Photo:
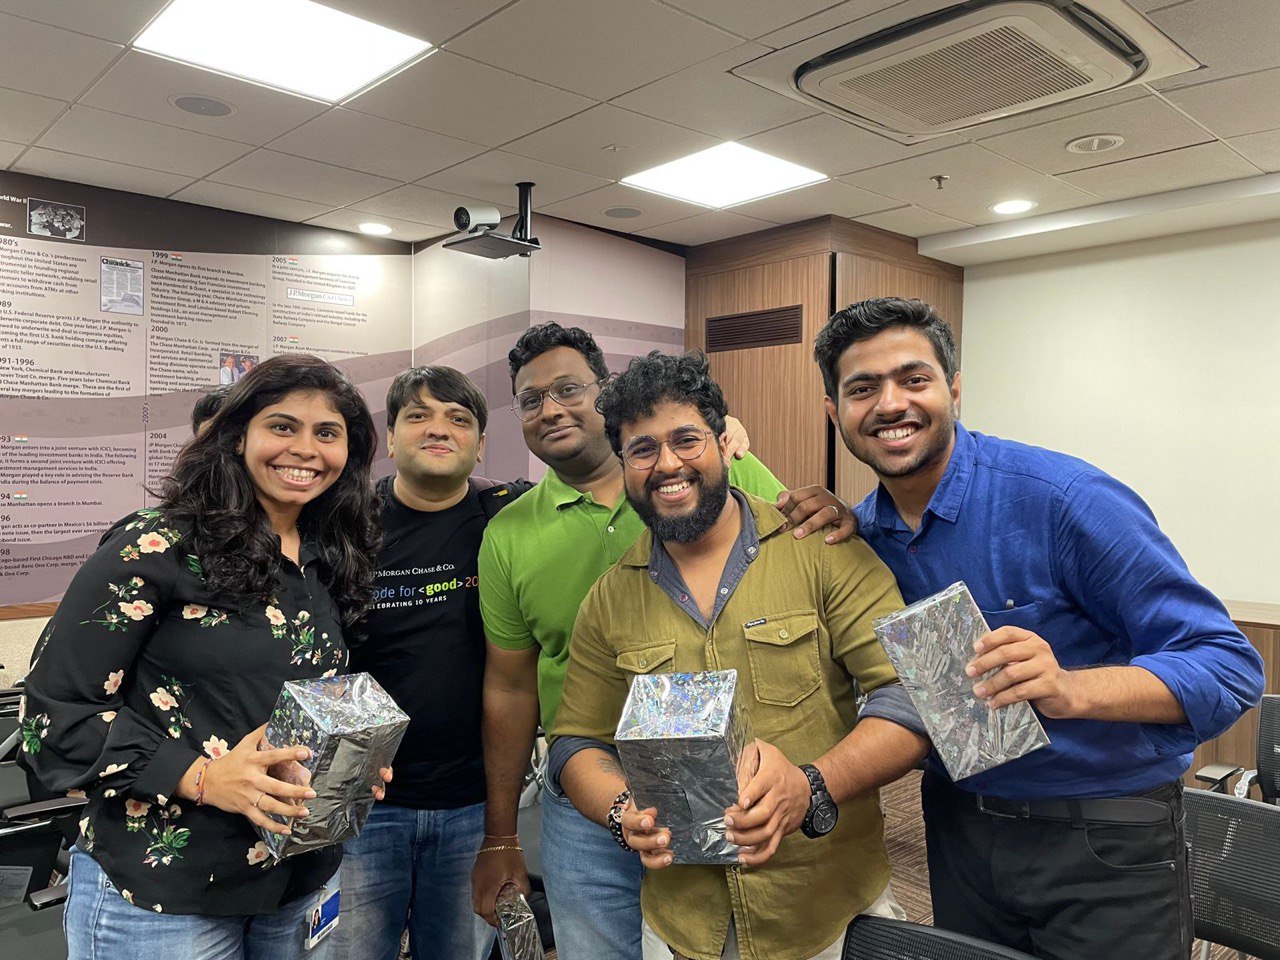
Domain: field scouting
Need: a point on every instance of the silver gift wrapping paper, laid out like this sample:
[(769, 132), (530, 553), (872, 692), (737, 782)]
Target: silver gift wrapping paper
[(353, 728), (930, 644), (518, 937), (686, 745)]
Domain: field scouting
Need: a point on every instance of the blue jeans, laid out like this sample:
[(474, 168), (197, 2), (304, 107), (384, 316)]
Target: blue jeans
[(412, 868), (101, 925), (593, 885)]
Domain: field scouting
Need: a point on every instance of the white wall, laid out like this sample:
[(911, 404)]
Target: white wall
[(1158, 361)]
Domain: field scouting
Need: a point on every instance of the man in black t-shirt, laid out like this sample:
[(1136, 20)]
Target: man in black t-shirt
[(411, 865)]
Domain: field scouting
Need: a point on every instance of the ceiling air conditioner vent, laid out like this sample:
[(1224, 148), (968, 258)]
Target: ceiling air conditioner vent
[(759, 328), (925, 68)]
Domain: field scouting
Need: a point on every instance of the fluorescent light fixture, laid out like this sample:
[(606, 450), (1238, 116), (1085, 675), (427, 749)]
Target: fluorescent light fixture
[(1010, 207), (724, 176), (293, 45), (377, 229)]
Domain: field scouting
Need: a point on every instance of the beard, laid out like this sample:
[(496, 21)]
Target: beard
[(713, 494), (928, 455)]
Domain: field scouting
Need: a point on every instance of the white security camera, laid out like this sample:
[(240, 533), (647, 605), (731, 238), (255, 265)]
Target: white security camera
[(475, 218)]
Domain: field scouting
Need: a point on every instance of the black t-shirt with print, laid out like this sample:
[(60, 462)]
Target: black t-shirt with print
[(425, 646)]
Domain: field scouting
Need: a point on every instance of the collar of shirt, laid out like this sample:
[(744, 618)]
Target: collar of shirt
[(947, 498)]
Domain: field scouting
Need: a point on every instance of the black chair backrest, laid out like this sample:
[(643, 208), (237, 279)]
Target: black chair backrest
[(1269, 748), (876, 938), (1235, 872)]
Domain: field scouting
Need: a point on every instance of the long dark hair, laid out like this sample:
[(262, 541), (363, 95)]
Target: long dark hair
[(210, 494)]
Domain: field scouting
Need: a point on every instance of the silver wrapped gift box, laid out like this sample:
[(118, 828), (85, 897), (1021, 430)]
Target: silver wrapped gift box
[(518, 937), (930, 643), (686, 747), (353, 728)]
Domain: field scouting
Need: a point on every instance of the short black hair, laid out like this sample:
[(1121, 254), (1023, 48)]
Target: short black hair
[(650, 380), (536, 341), (208, 405), (866, 318), (445, 384)]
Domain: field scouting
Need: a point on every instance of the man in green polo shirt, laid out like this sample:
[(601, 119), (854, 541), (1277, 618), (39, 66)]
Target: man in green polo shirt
[(539, 558), (714, 586)]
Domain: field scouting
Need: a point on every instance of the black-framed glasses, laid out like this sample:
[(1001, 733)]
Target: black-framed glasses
[(642, 453), (568, 392)]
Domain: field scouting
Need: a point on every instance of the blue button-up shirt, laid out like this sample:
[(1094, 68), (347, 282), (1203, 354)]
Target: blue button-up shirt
[(1051, 544)]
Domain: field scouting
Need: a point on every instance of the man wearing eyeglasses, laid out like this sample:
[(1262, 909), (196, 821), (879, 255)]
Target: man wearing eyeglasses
[(716, 585), (538, 560)]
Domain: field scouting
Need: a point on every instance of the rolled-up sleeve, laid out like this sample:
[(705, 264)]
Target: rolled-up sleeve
[(1118, 565)]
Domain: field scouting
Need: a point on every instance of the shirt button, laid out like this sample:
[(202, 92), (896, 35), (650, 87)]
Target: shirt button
[(653, 574), (751, 550), (644, 662), (723, 591), (913, 549), (611, 529), (782, 634)]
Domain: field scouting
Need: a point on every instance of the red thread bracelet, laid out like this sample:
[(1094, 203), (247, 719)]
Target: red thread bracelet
[(200, 781)]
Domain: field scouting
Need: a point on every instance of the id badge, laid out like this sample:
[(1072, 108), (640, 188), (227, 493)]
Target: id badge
[(323, 916)]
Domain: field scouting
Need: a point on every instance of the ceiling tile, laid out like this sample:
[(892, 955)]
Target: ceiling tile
[(141, 85), (350, 220), (817, 200), (834, 147), (24, 115), (1229, 37), (1188, 167), (1060, 111), (913, 222), (611, 142), (301, 179), (118, 20), (224, 197), (707, 98), (1235, 106), (53, 63), (598, 48), (706, 227), (836, 16), (979, 178), (1260, 149), (9, 152), (472, 101), (750, 19), (141, 143), (432, 20), (1148, 126), (1146, 6), (654, 209), (492, 176), (374, 145), (422, 205), (99, 173)]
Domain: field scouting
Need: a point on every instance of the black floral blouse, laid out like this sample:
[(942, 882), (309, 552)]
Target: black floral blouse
[(140, 672)]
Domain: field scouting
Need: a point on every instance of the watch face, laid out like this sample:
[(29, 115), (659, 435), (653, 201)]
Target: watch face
[(824, 817)]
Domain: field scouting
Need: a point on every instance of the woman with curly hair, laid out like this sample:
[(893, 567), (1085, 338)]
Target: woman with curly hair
[(155, 677)]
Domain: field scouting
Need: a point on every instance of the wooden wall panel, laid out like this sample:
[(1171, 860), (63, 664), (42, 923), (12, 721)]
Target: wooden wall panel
[(859, 277), (1238, 746), (776, 391)]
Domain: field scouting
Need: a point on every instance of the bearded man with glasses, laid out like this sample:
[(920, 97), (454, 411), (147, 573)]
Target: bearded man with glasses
[(715, 585), (539, 558)]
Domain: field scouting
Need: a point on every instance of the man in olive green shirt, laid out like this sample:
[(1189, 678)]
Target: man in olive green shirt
[(715, 586), (539, 558)]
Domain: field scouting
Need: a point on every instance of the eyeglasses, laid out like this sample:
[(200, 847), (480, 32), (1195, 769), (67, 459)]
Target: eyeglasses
[(568, 393), (642, 453)]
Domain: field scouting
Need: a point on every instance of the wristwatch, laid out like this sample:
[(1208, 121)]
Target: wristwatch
[(823, 812)]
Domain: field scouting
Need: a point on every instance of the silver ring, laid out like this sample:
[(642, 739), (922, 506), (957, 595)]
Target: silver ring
[(835, 508)]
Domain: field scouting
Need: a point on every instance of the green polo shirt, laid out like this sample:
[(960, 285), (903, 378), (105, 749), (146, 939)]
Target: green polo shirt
[(542, 554)]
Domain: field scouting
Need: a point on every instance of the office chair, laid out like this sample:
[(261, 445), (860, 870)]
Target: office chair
[(1235, 872), (1267, 773), (876, 938)]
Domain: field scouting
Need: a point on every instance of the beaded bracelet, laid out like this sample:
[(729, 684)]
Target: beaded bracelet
[(614, 819), (200, 781)]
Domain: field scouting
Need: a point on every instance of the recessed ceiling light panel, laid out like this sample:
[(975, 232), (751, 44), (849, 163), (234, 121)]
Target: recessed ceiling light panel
[(294, 45), (1009, 207), (724, 176), (376, 229)]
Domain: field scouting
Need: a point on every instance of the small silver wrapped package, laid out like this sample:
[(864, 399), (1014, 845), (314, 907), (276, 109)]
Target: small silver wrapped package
[(686, 747), (353, 728), (518, 937), (930, 643)]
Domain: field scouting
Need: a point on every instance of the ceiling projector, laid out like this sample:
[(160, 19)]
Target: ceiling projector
[(482, 239)]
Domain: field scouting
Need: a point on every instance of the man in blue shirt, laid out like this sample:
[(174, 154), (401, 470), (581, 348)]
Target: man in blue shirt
[(1075, 851)]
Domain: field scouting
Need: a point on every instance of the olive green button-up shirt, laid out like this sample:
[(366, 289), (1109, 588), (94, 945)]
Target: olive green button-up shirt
[(797, 628)]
